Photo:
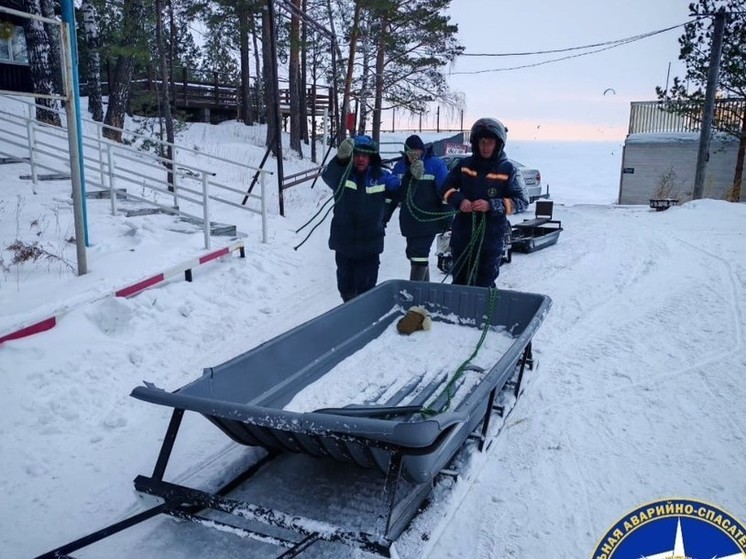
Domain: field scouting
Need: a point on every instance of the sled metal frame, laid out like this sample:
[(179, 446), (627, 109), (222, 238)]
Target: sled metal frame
[(535, 234), (186, 503)]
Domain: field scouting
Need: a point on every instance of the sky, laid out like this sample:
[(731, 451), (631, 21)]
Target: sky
[(637, 395), (564, 100)]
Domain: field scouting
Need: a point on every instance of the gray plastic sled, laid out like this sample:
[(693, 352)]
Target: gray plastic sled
[(245, 396)]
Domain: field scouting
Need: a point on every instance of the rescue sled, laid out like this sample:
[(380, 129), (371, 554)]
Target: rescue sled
[(402, 445), (538, 233)]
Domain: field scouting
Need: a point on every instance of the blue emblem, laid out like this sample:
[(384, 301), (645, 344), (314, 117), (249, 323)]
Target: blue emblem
[(674, 528)]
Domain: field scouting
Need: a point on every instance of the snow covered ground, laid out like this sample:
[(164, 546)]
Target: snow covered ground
[(639, 395)]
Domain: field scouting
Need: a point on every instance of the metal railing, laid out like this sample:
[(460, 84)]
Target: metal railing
[(683, 116), (136, 174)]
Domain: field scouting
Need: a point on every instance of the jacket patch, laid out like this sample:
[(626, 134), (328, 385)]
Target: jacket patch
[(469, 172), (351, 184), (498, 176)]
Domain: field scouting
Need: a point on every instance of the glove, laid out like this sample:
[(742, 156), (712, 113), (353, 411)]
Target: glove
[(344, 151), (416, 318), (417, 169), (497, 205)]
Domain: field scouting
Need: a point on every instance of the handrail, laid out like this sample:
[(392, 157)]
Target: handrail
[(301, 177), (115, 165)]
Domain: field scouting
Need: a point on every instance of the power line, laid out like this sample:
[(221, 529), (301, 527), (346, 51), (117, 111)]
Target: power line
[(606, 46), (553, 51)]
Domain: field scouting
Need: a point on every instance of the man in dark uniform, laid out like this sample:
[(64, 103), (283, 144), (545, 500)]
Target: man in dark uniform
[(423, 213), (361, 188), (484, 189)]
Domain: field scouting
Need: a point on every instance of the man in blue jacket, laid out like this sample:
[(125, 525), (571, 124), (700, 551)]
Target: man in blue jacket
[(423, 213), (361, 187), (484, 190)]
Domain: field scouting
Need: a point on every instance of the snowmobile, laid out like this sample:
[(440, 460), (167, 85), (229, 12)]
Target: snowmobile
[(445, 258)]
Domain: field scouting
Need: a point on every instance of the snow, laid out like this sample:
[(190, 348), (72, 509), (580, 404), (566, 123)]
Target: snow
[(420, 351), (638, 396)]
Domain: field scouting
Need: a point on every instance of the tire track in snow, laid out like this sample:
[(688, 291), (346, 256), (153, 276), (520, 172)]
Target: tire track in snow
[(736, 307)]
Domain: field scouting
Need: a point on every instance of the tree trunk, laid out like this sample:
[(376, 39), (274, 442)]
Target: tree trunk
[(337, 120), (304, 78), (119, 87), (365, 78), (91, 34), (243, 39), (736, 192), (37, 46), (172, 47), (268, 71), (164, 99), (354, 34), (380, 59), (294, 81), (257, 93), (53, 36)]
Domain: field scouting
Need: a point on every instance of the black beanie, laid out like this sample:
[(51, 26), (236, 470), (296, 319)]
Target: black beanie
[(414, 142)]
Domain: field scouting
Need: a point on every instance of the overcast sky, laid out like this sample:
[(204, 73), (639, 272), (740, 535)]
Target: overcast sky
[(564, 100)]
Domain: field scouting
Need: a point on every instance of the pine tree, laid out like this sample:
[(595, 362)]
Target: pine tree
[(686, 96), (414, 41), (128, 47)]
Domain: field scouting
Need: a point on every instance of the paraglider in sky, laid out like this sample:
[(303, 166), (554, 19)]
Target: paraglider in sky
[(609, 89)]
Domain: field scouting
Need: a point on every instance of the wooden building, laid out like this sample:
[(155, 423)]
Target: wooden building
[(660, 154)]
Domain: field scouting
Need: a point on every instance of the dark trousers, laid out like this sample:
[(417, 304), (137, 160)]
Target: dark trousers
[(356, 274), (418, 251), (486, 274), (418, 248)]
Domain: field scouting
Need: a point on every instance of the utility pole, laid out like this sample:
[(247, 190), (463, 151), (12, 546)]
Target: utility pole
[(709, 108), (74, 134)]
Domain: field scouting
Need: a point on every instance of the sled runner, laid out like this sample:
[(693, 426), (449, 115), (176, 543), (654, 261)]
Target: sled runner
[(538, 233), (400, 444)]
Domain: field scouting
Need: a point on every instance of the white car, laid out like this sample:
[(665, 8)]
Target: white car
[(529, 178)]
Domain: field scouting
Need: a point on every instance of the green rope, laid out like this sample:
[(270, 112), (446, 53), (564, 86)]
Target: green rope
[(336, 196), (429, 411), (415, 210), (478, 232), (469, 255)]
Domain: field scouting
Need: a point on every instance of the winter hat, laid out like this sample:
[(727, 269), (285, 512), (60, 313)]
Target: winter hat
[(365, 144), (414, 142)]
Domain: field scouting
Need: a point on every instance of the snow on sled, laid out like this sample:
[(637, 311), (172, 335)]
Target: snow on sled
[(399, 421), (538, 233)]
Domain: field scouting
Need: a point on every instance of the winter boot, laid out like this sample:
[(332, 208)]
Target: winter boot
[(419, 272)]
